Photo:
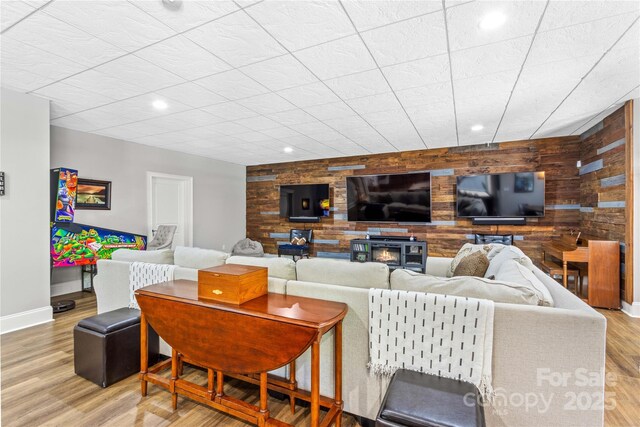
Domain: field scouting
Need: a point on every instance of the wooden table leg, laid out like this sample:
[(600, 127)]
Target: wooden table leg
[(219, 384), (174, 376), (315, 382), (564, 274), (292, 381), (144, 354), (210, 386), (338, 370)]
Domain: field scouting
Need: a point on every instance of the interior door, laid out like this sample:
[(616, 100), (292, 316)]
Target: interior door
[(169, 203)]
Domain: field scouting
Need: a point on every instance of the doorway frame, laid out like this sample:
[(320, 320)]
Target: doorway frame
[(188, 202)]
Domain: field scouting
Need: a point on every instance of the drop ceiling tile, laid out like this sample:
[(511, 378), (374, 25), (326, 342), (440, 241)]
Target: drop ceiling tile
[(267, 103), (20, 80), (192, 118), (291, 117), (487, 85), (74, 122), (13, 11), (80, 98), (311, 128), (408, 40), (232, 85), (230, 111), (101, 118), (330, 135), (253, 136), (281, 132), (258, 123), (181, 56), (280, 73), (300, 24), (207, 133), (337, 58), (488, 59), (141, 108), (117, 22), (104, 84), (237, 39), (464, 22), (360, 84), (192, 95), (189, 14), (370, 14), (230, 128), (309, 95), (59, 108), (436, 123), (418, 73), (119, 133), (138, 72), (375, 103), (565, 14), (330, 111), (428, 94)]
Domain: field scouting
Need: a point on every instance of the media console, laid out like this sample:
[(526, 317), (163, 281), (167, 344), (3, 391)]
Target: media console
[(397, 252)]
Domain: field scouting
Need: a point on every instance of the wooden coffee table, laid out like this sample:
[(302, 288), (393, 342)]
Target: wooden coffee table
[(242, 341)]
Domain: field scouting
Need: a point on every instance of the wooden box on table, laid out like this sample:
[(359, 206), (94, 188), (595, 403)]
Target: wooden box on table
[(232, 283)]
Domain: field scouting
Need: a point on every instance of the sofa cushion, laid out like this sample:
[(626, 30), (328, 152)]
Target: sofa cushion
[(341, 272), (465, 286), (198, 258), (472, 265), (162, 256), (512, 271), (490, 250), (283, 268), (507, 253)]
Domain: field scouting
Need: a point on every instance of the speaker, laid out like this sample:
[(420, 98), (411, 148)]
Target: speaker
[(498, 221)]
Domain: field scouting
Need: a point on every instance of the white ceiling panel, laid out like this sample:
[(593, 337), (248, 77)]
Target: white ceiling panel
[(118, 22), (464, 22), (241, 85), (183, 57), (337, 58), (237, 39), (188, 14), (368, 14), (300, 24), (408, 40)]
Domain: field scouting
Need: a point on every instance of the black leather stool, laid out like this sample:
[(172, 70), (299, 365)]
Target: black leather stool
[(106, 347), (416, 399)]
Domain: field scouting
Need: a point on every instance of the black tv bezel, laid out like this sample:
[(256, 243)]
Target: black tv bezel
[(395, 174), (302, 218), (544, 195)]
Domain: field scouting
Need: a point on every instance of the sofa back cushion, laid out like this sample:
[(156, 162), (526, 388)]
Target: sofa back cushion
[(490, 250), (512, 270), (283, 268), (162, 256), (507, 253), (198, 258), (465, 286), (342, 272)]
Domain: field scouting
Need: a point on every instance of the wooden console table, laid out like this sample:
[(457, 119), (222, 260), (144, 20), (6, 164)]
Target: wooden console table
[(242, 341)]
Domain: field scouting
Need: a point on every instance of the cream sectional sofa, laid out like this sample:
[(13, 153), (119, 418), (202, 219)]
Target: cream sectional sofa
[(548, 361)]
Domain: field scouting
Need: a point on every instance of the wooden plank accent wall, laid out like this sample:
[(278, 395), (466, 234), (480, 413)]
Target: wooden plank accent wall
[(604, 191), (556, 156)]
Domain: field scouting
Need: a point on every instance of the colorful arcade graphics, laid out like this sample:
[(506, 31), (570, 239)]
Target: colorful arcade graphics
[(78, 244), (64, 183)]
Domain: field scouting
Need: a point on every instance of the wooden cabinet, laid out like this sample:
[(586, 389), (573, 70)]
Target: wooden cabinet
[(232, 283)]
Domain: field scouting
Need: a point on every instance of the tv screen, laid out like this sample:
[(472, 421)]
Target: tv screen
[(518, 194), (389, 198), (78, 244), (308, 200)]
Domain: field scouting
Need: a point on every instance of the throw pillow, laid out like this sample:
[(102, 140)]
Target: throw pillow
[(489, 250), (475, 264)]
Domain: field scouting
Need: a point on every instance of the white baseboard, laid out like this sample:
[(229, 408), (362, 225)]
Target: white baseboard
[(64, 288), (25, 319), (632, 310)]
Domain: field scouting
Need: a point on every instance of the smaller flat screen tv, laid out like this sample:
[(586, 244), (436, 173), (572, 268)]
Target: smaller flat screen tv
[(389, 198), (75, 244), (503, 195), (305, 200)]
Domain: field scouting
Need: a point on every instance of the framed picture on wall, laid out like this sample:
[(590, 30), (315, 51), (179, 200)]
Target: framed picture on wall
[(93, 194)]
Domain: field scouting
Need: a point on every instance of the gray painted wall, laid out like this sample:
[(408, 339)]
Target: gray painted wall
[(24, 211), (219, 195)]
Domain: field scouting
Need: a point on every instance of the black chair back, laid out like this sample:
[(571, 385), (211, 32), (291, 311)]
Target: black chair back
[(307, 234)]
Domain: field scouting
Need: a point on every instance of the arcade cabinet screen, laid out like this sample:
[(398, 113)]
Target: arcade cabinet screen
[(83, 244)]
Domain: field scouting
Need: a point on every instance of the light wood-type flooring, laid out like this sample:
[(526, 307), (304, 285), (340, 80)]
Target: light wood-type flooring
[(39, 386)]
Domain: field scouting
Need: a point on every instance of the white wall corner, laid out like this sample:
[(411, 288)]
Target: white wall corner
[(64, 288), (632, 310), (25, 319)]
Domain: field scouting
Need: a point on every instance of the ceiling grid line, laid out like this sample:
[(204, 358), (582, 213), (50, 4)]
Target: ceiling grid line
[(453, 91)]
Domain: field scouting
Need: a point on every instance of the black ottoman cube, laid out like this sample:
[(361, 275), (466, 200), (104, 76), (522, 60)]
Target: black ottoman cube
[(416, 399), (106, 347)]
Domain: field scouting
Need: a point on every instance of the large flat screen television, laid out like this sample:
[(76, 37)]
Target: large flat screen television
[(304, 201), (389, 198), (503, 195)]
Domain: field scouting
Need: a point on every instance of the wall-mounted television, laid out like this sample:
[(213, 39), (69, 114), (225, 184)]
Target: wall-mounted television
[(304, 201), (389, 198), (502, 195)]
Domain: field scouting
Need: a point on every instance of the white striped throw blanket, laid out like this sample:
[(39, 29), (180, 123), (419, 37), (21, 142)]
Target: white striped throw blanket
[(442, 335), (143, 274)]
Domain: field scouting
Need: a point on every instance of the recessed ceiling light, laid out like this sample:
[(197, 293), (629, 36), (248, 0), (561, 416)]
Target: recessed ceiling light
[(288, 150), (476, 128), (159, 104), (493, 20)]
